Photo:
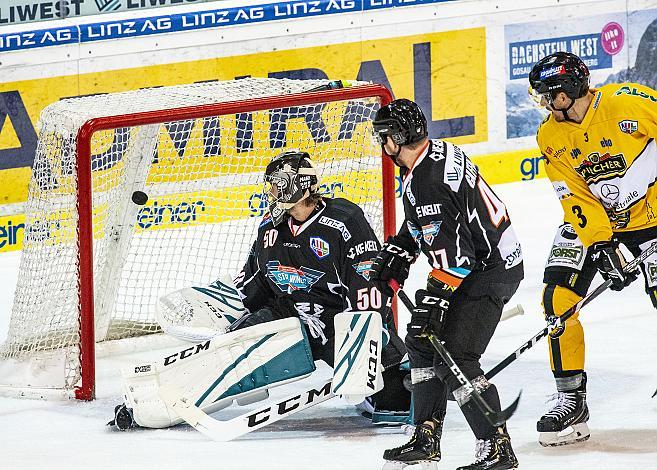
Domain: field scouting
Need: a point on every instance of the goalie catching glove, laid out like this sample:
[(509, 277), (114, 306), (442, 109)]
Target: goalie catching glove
[(610, 263)]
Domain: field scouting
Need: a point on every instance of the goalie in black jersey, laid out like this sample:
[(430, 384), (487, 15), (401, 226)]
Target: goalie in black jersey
[(457, 221), (311, 260)]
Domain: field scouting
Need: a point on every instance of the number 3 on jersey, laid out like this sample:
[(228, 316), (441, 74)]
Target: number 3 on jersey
[(270, 238)]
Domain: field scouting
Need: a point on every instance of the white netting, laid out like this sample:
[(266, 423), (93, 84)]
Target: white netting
[(203, 178)]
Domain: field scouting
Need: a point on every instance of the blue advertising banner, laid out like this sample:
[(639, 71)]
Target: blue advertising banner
[(222, 17), (601, 41)]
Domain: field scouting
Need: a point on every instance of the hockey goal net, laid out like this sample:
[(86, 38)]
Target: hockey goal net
[(97, 254)]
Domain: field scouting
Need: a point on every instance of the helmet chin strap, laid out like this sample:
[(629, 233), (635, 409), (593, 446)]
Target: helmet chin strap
[(565, 111), (393, 157)]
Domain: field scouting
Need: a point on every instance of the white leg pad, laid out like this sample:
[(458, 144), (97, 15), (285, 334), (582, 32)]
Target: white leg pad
[(239, 365), (357, 369)]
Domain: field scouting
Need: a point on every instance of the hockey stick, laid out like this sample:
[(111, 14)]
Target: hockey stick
[(512, 312), (228, 430), (560, 321), (493, 417)]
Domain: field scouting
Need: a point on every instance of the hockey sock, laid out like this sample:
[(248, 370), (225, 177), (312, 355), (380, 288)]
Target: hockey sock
[(481, 428), (567, 384), (429, 399)]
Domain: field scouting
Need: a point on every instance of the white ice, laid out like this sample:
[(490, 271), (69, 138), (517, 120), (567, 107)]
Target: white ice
[(621, 340)]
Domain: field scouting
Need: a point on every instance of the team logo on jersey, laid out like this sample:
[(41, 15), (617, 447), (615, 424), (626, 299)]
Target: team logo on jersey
[(628, 126), (364, 268), (596, 167), (618, 219), (320, 247), (290, 279), (430, 230)]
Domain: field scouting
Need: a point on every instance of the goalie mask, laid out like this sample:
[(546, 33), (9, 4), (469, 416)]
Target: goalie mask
[(290, 178)]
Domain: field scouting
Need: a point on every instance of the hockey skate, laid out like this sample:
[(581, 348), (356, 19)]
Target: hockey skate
[(422, 451), (123, 419), (493, 454), (566, 422)]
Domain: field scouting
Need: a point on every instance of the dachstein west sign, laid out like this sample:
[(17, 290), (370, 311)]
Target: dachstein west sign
[(24, 11)]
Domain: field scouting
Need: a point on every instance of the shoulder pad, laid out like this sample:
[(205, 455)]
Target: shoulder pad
[(343, 208), (266, 220)]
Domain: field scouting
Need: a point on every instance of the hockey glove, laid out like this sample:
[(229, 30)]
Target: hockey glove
[(428, 314), (610, 262), (392, 262)]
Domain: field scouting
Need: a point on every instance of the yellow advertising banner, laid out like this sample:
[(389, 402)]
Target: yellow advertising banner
[(437, 70)]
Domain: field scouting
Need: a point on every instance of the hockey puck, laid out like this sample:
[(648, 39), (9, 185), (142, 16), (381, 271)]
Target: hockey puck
[(140, 198)]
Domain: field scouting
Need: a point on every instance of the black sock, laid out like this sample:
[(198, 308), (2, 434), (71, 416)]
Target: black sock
[(481, 428)]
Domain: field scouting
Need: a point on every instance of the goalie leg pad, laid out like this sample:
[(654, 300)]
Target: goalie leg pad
[(357, 371), (239, 365)]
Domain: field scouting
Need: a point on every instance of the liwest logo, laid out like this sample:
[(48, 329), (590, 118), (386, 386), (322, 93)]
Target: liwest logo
[(596, 167), (165, 214), (290, 279)]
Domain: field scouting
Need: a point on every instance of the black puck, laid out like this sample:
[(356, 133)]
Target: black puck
[(140, 198)]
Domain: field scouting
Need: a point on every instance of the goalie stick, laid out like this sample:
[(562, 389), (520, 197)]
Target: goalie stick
[(558, 324), (233, 428), (493, 417)]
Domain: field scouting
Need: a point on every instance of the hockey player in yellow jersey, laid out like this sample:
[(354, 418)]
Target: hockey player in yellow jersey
[(601, 156)]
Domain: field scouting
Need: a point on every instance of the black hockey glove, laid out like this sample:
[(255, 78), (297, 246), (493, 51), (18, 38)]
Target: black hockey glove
[(392, 262), (428, 314), (610, 261)]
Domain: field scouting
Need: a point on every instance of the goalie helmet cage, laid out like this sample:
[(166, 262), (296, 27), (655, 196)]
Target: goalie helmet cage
[(97, 254)]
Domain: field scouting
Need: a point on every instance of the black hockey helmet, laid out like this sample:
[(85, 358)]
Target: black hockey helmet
[(290, 178), (402, 120), (561, 71)]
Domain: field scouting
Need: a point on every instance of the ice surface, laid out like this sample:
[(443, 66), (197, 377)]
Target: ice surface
[(621, 340)]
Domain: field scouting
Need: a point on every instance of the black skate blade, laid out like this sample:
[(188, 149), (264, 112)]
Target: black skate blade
[(654, 394), (498, 419)]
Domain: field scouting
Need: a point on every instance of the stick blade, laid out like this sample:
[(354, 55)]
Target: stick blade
[(498, 419)]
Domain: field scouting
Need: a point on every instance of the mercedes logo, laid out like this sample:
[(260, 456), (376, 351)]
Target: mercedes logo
[(609, 191)]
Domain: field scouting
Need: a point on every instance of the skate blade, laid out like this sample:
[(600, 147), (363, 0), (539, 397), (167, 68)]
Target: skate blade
[(571, 435), (421, 465)]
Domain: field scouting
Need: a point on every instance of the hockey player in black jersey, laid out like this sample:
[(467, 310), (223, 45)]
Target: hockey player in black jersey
[(457, 221), (312, 259)]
